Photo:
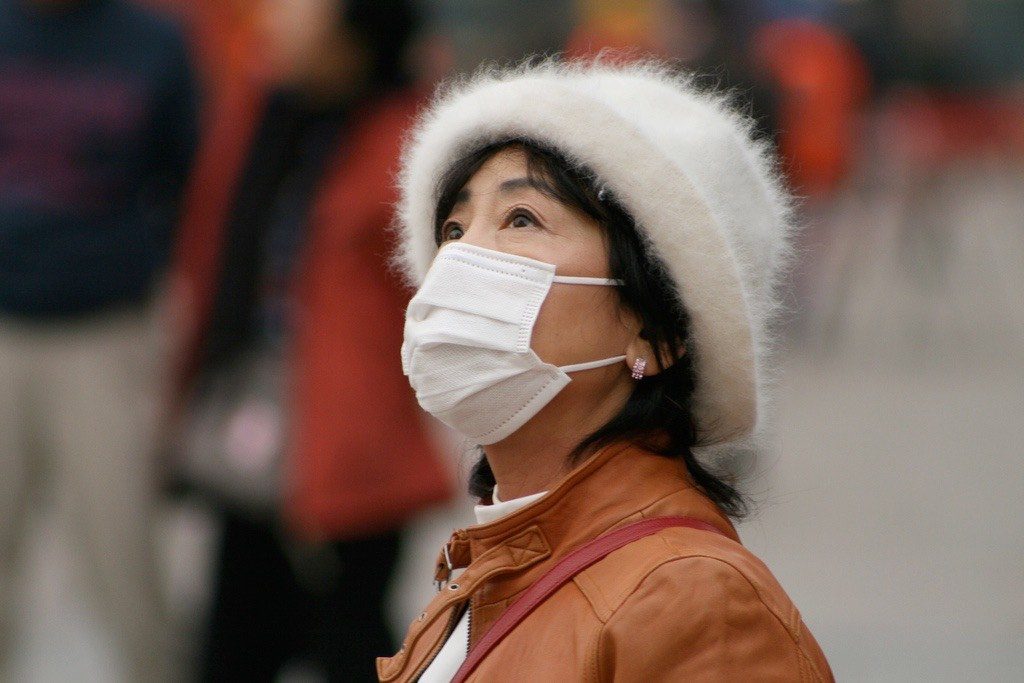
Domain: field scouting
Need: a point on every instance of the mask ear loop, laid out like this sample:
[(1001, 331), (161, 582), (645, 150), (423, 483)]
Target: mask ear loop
[(592, 364), (576, 280)]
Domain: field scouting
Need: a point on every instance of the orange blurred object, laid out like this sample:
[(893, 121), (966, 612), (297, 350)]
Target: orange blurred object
[(823, 85), (624, 32)]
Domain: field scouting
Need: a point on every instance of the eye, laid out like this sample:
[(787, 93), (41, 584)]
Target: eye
[(451, 231), (520, 218)]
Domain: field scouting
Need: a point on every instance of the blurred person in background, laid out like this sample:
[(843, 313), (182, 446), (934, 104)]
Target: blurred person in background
[(786, 61), (297, 422), (710, 38), (97, 130), (502, 31), (942, 130)]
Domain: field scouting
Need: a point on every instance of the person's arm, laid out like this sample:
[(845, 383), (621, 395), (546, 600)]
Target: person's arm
[(700, 619)]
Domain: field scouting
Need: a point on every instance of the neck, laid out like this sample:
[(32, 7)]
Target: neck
[(536, 456)]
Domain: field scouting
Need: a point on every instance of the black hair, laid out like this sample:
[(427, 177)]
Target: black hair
[(658, 413), (387, 29)]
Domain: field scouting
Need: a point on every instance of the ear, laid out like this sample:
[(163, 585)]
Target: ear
[(639, 347)]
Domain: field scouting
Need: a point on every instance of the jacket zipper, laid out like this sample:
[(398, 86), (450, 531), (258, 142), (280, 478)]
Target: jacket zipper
[(469, 623), (453, 621)]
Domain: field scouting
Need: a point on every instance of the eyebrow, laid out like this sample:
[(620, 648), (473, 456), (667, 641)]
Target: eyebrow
[(505, 187)]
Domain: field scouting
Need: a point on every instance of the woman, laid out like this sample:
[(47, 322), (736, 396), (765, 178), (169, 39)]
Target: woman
[(283, 254), (595, 248)]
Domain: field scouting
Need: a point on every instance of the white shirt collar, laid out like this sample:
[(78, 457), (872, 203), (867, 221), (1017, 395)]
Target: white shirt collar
[(502, 508)]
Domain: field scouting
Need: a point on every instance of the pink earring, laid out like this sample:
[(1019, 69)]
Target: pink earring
[(638, 368)]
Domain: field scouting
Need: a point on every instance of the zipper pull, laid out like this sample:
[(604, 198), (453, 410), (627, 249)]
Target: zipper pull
[(454, 555), (444, 568)]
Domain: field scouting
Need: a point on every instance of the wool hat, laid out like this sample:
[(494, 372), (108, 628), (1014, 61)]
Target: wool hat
[(705, 196)]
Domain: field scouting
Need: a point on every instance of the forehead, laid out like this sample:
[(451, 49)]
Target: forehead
[(505, 171)]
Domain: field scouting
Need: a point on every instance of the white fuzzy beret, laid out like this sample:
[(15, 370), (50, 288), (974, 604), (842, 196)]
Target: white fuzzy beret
[(705, 196)]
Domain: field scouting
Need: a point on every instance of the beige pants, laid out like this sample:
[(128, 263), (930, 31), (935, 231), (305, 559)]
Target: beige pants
[(76, 413)]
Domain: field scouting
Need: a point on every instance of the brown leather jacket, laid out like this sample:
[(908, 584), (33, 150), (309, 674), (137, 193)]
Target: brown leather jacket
[(680, 605)]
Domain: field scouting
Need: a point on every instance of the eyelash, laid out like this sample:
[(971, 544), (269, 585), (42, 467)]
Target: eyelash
[(518, 212), (513, 214), (446, 230)]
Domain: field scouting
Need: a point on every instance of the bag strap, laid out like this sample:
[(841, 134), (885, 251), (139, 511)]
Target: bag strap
[(568, 567)]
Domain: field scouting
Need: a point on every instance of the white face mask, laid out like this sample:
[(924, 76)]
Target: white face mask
[(467, 341)]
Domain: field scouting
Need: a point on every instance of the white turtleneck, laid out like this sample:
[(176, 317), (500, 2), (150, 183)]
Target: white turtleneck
[(455, 649)]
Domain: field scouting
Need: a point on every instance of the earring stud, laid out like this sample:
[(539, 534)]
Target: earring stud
[(639, 365)]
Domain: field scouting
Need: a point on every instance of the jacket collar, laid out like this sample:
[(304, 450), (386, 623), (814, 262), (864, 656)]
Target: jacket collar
[(620, 484)]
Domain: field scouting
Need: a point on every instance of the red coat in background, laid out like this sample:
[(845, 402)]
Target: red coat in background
[(360, 459)]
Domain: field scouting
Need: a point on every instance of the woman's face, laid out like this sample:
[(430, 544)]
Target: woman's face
[(500, 209)]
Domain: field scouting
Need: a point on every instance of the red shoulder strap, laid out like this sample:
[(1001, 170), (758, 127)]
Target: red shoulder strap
[(568, 567)]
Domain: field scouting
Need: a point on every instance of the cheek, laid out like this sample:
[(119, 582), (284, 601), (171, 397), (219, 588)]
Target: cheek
[(578, 323)]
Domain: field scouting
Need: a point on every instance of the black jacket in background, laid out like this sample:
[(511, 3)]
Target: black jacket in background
[(97, 131)]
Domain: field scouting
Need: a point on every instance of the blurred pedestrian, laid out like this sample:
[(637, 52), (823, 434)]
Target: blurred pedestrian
[(298, 425), (596, 249), (97, 130)]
